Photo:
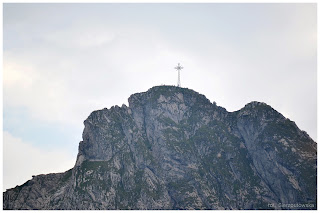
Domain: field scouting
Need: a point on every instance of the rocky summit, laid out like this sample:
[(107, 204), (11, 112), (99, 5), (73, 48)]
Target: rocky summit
[(171, 148)]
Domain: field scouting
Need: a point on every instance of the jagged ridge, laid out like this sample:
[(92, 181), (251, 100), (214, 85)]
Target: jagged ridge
[(173, 149)]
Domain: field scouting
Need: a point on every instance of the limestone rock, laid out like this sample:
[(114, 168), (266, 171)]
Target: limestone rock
[(173, 149)]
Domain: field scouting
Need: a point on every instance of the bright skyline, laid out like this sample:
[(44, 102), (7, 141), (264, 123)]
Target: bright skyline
[(63, 61)]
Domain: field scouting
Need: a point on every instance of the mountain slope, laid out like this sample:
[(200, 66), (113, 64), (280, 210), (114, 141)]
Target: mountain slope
[(173, 149)]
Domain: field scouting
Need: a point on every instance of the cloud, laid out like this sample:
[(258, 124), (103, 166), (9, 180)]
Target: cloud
[(22, 160), (80, 37), (28, 86)]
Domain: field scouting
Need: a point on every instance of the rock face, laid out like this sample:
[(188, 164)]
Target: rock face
[(173, 149)]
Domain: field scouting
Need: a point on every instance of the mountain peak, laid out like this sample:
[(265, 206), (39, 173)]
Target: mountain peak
[(161, 93), (173, 149)]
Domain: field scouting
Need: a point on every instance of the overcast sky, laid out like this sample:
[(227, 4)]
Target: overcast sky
[(63, 61)]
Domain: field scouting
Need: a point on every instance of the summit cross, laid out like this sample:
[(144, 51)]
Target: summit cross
[(179, 67)]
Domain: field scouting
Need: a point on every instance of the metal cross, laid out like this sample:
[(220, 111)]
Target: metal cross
[(179, 67)]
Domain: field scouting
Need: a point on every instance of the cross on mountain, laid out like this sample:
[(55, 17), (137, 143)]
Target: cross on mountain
[(179, 67)]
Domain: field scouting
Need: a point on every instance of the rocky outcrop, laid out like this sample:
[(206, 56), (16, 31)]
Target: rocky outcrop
[(173, 149)]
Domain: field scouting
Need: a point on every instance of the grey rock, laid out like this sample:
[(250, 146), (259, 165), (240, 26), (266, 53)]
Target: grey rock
[(173, 149)]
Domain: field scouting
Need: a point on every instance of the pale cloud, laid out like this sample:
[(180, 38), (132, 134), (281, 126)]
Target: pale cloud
[(28, 86), (22, 160), (17, 75), (80, 37)]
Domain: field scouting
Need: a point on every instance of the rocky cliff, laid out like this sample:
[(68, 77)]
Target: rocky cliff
[(173, 149)]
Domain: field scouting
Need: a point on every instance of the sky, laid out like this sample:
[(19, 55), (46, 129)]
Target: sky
[(63, 61)]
